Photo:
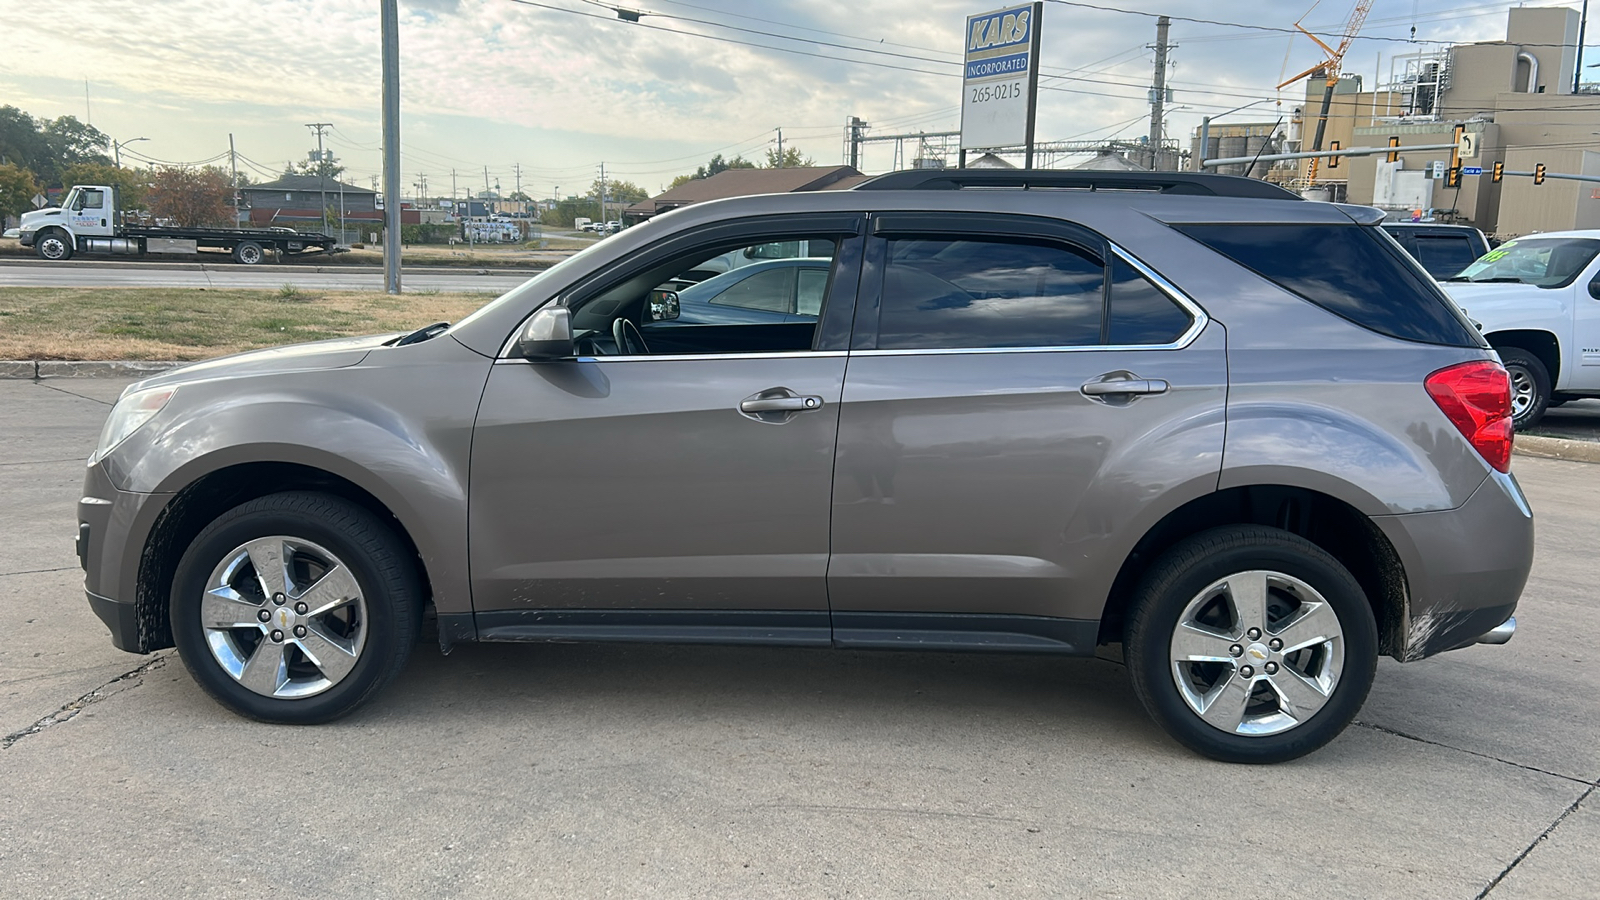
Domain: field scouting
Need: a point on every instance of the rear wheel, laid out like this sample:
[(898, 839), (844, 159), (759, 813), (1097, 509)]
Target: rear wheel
[(1251, 644), (1530, 386), (248, 253), (53, 245), (295, 607)]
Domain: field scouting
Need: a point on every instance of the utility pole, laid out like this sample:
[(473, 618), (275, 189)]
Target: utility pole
[(780, 148), (1583, 25), (854, 126), (322, 169), (233, 166), (1158, 94), (603, 218), (517, 168), (391, 145)]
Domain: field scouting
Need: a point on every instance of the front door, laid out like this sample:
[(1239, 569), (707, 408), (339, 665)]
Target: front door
[(672, 479), (1013, 407)]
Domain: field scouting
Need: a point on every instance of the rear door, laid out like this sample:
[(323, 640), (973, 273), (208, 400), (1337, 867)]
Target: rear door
[(1020, 395)]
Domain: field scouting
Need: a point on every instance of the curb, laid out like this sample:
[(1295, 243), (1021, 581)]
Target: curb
[(318, 268), (1557, 448), (39, 369)]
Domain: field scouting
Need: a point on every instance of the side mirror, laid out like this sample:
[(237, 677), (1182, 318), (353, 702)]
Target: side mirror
[(548, 335), (1594, 288), (663, 306)]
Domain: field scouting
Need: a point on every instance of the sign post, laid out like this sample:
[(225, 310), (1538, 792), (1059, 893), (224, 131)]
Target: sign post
[(1000, 84)]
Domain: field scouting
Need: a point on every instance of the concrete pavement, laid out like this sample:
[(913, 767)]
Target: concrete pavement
[(228, 275), (579, 771)]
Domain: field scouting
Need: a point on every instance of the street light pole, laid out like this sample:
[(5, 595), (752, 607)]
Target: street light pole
[(116, 149), (391, 146), (1205, 131)]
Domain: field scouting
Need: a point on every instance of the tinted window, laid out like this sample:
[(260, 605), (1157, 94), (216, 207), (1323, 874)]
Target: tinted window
[(771, 290), (1140, 312), (1350, 270), (1444, 255), (993, 293), (813, 283)]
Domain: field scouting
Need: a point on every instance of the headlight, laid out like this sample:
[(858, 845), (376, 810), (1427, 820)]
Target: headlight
[(131, 412)]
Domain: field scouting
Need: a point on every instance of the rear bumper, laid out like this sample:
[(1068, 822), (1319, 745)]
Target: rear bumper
[(1465, 568)]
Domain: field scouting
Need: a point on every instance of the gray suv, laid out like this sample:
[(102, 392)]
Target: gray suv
[(1240, 437)]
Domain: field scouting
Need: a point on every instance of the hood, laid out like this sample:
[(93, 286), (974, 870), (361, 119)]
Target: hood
[(334, 354), (1498, 305), (33, 218)]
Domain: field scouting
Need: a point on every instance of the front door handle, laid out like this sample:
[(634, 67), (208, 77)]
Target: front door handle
[(1125, 386), (780, 404)]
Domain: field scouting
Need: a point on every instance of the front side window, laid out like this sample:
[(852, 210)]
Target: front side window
[(943, 293), (770, 290), (1542, 262), (93, 199)]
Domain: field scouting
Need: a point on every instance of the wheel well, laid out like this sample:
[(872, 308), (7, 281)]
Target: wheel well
[(1541, 344), (198, 504), (1335, 526), (72, 241)]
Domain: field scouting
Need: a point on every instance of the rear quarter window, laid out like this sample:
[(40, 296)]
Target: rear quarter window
[(1352, 271)]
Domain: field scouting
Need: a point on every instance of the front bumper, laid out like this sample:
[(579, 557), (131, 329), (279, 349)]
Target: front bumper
[(1465, 567), (26, 238), (121, 618), (113, 527)]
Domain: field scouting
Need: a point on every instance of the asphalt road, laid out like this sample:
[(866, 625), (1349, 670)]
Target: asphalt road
[(228, 275), (585, 771), (1579, 420)]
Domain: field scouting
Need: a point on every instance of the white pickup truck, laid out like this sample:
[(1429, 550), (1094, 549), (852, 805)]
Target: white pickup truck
[(1537, 300)]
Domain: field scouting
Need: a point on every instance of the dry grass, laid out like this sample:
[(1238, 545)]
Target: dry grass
[(199, 323)]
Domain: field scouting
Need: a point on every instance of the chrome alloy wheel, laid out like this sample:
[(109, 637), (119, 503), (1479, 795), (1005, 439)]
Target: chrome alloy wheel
[(284, 617), (52, 246), (1257, 653), (1522, 390)]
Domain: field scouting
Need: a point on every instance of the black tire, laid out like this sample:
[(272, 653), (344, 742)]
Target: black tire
[(377, 559), (1181, 576), (53, 244), (248, 253), (1529, 377)]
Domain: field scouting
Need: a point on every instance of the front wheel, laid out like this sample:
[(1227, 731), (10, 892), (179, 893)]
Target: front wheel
[(1251, 644), (295, 607), (248, 253), (53, 245), (1530, 386)]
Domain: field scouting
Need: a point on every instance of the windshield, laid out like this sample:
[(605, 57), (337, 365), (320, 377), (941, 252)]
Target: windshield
[(1544, 262), (69, 199)]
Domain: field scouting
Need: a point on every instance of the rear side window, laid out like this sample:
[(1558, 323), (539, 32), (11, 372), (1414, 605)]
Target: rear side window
[(1140, 312), (1349, 270), (1444, 255), (989, 293)]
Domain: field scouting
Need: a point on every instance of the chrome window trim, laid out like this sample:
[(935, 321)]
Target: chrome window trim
[(663, 357)]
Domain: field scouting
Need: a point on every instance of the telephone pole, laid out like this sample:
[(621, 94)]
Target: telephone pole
[(603, 218), (233, 166), (780, 148), (854, 131), (391, 145), (322, 170), (1158, 94)]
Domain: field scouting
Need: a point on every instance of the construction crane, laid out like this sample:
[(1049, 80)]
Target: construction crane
[(1330, 68)]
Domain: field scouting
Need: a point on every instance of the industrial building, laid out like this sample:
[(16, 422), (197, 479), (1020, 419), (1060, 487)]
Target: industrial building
[(1518, 99)]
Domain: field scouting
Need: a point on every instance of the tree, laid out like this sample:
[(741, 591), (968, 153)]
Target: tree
[(520, 197), (328, 168), (130, 184), (191, 197), (792, 159), (46, 147), (17, 189), (619, 192), (569, 209)]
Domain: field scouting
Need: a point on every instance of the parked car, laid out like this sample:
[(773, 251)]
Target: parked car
[(1537, 301), (1443, 250), (771, 291), (1232, 434)]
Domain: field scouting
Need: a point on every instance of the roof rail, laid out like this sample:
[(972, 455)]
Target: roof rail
[(1192, 183)]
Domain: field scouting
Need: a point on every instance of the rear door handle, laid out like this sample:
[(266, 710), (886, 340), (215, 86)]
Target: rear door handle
[(780, 404), (1125, 386)]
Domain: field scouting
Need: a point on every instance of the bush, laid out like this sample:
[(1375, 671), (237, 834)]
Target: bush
[(427, 234)]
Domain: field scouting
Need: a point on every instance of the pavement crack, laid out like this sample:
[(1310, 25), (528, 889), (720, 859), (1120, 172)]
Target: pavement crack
[(70, 710), (41, 462), (1536, 842), (1489, 756), (72, 394), (38, 571)]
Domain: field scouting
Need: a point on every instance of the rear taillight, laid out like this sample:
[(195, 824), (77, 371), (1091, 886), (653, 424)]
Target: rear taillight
[(1476, 397)]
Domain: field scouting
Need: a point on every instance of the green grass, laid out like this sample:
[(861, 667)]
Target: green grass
[(198, 323)]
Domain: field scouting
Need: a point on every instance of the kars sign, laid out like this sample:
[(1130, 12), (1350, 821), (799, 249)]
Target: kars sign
[(1002, 77)]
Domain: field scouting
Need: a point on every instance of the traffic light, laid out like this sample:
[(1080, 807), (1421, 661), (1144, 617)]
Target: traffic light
[(1333, 157), (1538, 173), (1499, 172), (1394, 156), (1452, 177)]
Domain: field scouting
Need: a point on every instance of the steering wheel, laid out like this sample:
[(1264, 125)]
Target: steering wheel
[(628, 338)]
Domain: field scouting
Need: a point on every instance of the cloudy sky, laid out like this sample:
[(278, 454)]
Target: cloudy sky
[(554, 87)]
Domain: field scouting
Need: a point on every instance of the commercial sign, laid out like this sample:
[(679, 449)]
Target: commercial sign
[(1001, 82)]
